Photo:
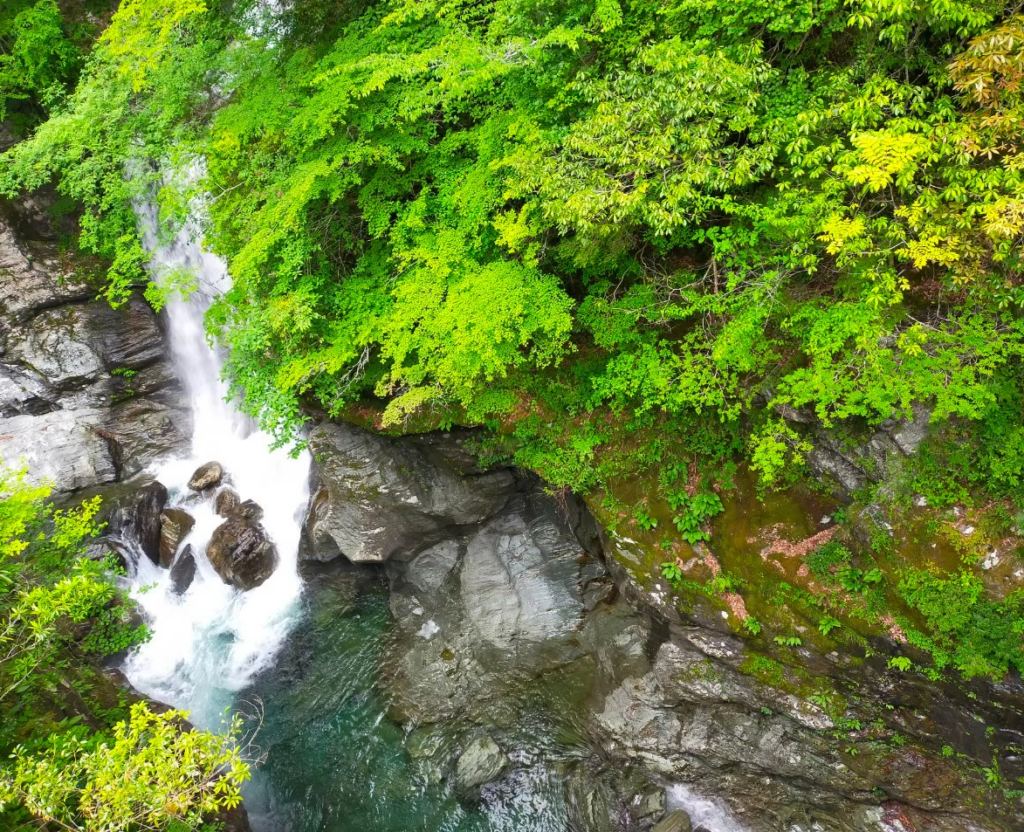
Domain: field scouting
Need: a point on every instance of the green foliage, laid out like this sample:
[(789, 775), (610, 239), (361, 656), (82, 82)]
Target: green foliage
[(824, 560), (671, 572), (962, 628), (150, 774), (694, 513), (788, 641), (41, 54), (557, 219)]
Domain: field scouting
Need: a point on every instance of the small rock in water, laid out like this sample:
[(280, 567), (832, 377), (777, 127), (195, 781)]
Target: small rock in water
[(183, 571), (145, 525), (242, 553), (675, 821), (175, 525), (227, 502), (482, 762), (206, 476)]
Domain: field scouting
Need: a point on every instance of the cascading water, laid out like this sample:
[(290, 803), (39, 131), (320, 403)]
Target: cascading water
[(210, 641)]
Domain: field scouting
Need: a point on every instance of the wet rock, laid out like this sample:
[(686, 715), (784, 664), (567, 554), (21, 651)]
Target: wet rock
[(650, 804), (876, 457), (206, 476), (249, 510), (482, 762), (146, 519), (675, 821), (242, 553), (227, 501), (183, 570), (175, 525), (589, 802), (375, 498)]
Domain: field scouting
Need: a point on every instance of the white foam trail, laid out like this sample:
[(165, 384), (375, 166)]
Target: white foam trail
[(210, 641), (703, 811)]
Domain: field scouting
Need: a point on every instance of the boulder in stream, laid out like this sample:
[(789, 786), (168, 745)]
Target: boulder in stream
[(249, 510), (482, 762), (175, 524), (227, 501), (242, 553), (183, 571), (145, 523), (206, 476)]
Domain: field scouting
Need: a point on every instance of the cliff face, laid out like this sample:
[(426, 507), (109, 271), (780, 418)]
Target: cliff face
[(87, 395), (822, 736)]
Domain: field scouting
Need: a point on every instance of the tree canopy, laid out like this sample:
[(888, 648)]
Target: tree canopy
[(546, 217)]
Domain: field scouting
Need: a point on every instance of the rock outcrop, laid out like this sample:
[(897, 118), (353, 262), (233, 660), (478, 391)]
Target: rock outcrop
[(183, 570), (482, 762), (87, 397), (503, 600), (376, 498)]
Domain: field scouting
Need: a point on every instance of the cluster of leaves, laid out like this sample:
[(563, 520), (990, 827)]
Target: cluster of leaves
[(152, 772), (58, 610), (963, 628), (694, 513), (43, 48)]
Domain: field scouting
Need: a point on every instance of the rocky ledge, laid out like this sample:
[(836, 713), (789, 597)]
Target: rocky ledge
[(87, 396)]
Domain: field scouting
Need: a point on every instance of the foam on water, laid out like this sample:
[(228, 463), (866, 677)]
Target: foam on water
[(703, 811), (210, 641)]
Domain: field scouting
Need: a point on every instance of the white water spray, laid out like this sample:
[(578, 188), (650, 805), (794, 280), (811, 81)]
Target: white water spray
[(210, 641)]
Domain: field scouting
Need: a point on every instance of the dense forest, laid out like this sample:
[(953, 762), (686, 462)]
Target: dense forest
[(571, 224), (657, 241)]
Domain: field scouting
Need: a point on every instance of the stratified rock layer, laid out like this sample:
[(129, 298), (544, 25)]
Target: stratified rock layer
[(87, 397)]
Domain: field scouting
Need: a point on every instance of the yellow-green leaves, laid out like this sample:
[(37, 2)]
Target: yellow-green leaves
[(141, 34), (882, 159), (153, 771)]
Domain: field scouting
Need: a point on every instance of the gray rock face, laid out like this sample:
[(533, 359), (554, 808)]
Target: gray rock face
[(675, 821), (146, 519), (206, 476), (482, 762), (693, 716), (376, 498), (242, 553), (478, 614), (851, 468), (175, 524), (183, 570), (589, 801), (86, 395)]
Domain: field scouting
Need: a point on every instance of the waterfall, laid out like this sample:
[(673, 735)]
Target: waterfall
[(209, 642)]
